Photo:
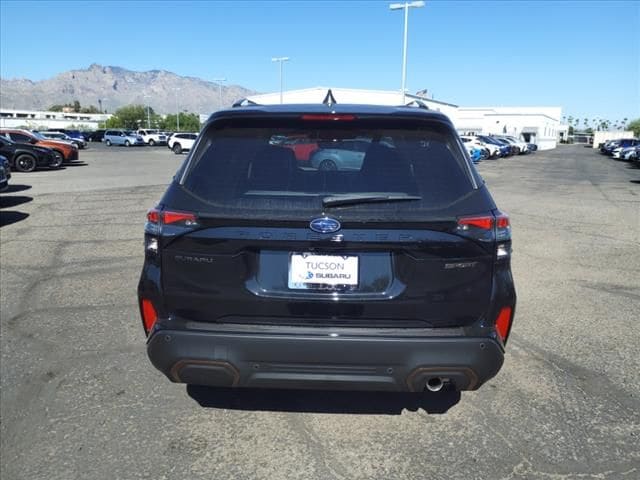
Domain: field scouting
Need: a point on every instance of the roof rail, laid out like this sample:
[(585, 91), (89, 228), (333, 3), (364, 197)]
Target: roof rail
[(244, 102), (417, 104)]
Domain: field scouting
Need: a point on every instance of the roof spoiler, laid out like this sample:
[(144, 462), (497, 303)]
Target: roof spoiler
[(244, 102)]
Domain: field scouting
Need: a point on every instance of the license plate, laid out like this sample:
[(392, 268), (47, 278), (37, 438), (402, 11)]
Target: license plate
[(311, 271)]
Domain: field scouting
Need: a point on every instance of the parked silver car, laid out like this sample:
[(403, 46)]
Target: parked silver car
[(122, 137), (340, 155)]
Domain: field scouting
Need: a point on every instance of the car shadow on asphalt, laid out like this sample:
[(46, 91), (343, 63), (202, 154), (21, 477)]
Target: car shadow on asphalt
[(14, 201), (16, 188), (9, 217), (317, 401), (76, 164)]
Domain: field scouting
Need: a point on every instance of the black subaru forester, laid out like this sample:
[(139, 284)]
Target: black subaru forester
[(386, 269)]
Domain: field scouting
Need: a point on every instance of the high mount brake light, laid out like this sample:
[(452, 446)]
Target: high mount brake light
[(169, 217), (328, 117)]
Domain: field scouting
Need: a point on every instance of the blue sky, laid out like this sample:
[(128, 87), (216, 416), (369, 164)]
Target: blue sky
[(583, 56)]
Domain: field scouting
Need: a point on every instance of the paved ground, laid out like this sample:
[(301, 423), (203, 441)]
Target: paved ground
[(79, 398)]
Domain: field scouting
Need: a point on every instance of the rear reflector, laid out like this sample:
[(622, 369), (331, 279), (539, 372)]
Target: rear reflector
[(328, 117), (149, 315), (503, 323), (485, 222)]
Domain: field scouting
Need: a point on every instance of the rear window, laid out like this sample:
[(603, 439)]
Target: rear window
[(284, 169)]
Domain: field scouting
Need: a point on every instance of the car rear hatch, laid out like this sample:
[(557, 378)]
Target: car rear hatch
[(247, 234)]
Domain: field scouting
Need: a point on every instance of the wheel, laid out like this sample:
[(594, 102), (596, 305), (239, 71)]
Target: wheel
[(25, 163), (177, 148), (327, 166), (59, 160), (108, 142), (151, 143), (127, 143)]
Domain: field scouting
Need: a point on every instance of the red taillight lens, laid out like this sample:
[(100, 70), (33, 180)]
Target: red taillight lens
[(328, 117), (484, 222), (153, 215), (169, 217), (503, 322), (502, 221), (149, 315)]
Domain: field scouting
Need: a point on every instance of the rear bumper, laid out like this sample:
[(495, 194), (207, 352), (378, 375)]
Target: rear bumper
[(324, 362)]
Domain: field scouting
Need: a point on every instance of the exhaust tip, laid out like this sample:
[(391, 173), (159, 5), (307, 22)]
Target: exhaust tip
[(435, 384)]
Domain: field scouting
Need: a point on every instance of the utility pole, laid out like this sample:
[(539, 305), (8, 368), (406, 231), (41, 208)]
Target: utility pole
[(280, 60)]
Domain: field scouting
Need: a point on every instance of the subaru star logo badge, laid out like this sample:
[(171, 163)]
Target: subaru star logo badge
[(324, 225)]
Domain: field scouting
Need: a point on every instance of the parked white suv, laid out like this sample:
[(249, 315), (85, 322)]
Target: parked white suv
[(494, 150), (179, 142), (152, 137)]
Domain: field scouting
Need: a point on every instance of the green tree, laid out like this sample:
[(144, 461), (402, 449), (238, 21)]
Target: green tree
[(90, 109), (189, 122), (76, 106), (634, 126), (130, 116)]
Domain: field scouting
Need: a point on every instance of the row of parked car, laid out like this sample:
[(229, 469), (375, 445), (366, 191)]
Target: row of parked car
[(178, 142), (348, 153), (622, 149), (26, 150), (482, 147)]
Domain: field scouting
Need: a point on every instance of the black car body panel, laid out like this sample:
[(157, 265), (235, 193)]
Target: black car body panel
[(44, 157), (424, 249)]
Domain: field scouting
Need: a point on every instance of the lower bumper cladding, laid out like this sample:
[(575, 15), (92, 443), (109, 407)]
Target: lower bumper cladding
[(326, 362)]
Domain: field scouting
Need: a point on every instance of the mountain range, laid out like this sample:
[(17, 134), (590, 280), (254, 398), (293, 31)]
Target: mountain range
[(113, 87)]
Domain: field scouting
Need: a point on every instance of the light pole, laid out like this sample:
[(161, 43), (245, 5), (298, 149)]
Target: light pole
[(220, 80), (148, 111), (176, 90), (280, 60), (405, 6)]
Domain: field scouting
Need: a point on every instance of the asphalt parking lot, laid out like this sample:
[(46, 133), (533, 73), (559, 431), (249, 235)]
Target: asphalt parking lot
[(79, 399)]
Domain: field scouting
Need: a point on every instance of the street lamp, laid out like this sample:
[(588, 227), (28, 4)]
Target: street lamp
[(148, 111), (405, 6), (176, 90), (219, 81), (280, 60)]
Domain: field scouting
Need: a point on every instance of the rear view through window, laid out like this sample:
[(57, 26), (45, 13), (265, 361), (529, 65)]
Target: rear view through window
[(304, 166)]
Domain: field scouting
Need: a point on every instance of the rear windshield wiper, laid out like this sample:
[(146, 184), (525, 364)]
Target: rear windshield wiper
[(340, 200)]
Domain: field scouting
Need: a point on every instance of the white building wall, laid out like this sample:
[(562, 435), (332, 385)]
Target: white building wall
[(42, 120), (602, 136), (541, 124), (351, 96)]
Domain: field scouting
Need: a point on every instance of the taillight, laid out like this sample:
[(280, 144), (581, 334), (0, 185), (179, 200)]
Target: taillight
[(503, 323), (484, 227), (483, 222), (328, 117), (170, 217), (149, 315)]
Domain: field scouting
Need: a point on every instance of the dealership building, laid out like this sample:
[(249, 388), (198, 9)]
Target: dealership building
[(539, 125)]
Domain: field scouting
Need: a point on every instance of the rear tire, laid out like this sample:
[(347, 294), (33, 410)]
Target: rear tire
[(327, 166), (25, 163), (152, 143), (127, 143), (177, 148), (108, 142)]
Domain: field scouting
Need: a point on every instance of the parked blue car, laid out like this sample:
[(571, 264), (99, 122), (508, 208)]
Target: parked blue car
[(475, 154), (505, 150)]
